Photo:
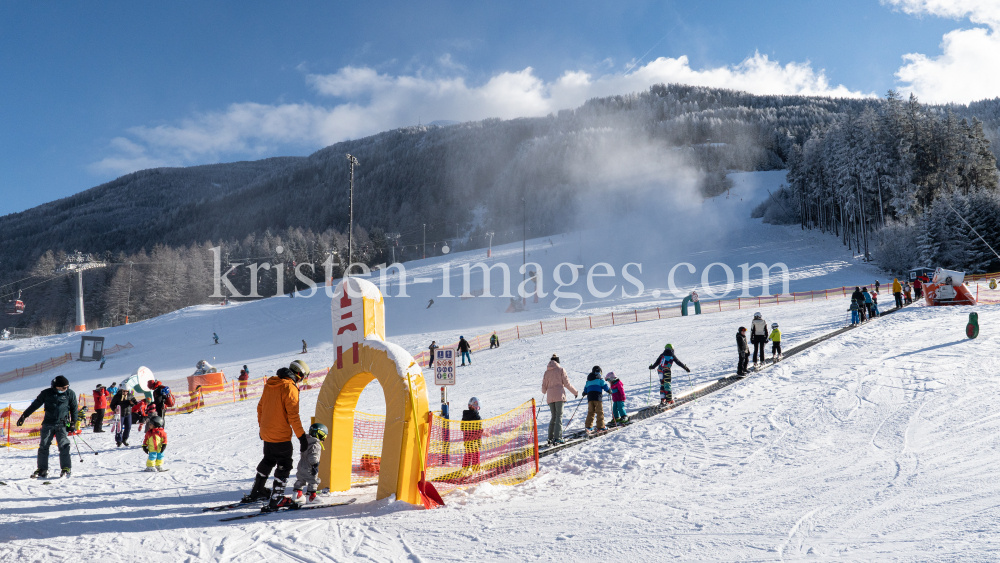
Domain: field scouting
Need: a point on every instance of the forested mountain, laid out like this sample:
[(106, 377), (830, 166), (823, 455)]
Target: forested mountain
[(903, 183), (461, 181)]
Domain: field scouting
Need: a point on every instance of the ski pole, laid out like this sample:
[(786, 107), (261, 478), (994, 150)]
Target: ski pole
[(77, 448), (649, 391), (574, 412), (86, 444)]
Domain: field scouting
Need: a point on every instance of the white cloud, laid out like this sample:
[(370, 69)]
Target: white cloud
[(978, 11), (969, 67), (368, 102)]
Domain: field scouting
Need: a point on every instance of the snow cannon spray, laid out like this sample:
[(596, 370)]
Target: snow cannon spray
[(972, 329)]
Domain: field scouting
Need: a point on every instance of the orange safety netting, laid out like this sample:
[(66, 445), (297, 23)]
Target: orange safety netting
[(366, 453), (980, 289), (502, 450)]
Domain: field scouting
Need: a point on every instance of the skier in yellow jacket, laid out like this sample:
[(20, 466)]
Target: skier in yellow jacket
[(775, 343)]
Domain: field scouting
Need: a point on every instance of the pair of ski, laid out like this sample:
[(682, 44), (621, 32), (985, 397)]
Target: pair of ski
[(237, 505)]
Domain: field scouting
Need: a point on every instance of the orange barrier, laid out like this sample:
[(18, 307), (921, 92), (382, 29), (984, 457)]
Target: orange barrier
[(208, 379), (482, 341)]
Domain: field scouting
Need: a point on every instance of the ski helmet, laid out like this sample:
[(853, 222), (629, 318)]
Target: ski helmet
[(612, 377), (668, 347), (757, 315), (299, 369), (318, 431), (743, 329), (597, 370), (474, 404), (774, 325), (156, 422)]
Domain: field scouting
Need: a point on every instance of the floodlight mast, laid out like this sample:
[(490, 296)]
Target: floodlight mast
[(77, 263), (350, 233)]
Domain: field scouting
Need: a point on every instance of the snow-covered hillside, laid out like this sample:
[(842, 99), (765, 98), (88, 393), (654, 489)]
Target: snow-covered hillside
[(266, 334), (875, 445)]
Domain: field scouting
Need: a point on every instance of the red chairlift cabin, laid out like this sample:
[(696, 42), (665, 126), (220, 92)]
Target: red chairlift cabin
[(15, 307)]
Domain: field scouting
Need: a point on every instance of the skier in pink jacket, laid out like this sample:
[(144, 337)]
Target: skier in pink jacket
[(554, 385)]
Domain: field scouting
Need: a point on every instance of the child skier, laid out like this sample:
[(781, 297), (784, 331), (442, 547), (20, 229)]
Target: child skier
[(855, 310), (618, 416), (744, 351), (140, 412), (594, 390), (154, 444), (472, 434), (775, 343), (307, 472), (663, 365)]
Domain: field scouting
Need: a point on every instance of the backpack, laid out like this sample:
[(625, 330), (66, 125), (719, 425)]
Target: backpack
[(666, 362), (168, 398)]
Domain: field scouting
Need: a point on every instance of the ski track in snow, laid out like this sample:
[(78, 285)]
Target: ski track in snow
[(877, 445)]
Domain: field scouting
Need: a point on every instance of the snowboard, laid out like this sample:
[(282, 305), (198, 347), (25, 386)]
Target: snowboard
[(288, 508)]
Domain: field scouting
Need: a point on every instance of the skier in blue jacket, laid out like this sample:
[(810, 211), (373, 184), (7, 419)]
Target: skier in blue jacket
[(594, 390)]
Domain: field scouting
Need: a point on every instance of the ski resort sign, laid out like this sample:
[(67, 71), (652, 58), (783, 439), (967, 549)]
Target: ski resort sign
[(444, 367)]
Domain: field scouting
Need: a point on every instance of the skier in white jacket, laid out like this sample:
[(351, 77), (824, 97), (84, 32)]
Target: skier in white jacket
[(759, 333)]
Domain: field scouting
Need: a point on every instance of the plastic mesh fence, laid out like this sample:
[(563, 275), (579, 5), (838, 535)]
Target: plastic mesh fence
[(980, 289), (499, 450), (366, 453)]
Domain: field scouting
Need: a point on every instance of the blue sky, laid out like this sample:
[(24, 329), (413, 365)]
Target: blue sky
[(92, 91)]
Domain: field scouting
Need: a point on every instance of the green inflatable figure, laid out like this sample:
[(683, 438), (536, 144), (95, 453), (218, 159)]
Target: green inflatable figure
[(972, 329)]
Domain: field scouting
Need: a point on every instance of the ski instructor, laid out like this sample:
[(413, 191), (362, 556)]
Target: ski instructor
[(278, 417), (60, 406)]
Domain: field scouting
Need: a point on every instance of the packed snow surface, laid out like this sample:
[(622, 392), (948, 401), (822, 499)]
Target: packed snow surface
[(876, 445)]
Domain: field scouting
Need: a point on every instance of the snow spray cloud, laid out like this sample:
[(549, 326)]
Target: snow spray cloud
[(565, 276)]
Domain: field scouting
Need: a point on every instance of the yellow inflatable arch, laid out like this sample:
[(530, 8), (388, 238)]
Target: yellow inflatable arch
[(362, 354)]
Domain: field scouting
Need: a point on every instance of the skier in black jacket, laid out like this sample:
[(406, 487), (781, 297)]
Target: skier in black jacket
[(464, 349), (744, 351), (60, 408), (123, 401), (472, 434)]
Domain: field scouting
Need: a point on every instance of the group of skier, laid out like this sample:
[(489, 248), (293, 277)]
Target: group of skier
[(464, 349), (62, 421), (760, 335)]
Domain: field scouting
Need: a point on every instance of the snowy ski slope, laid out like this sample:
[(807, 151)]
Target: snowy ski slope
[(878, 445)]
